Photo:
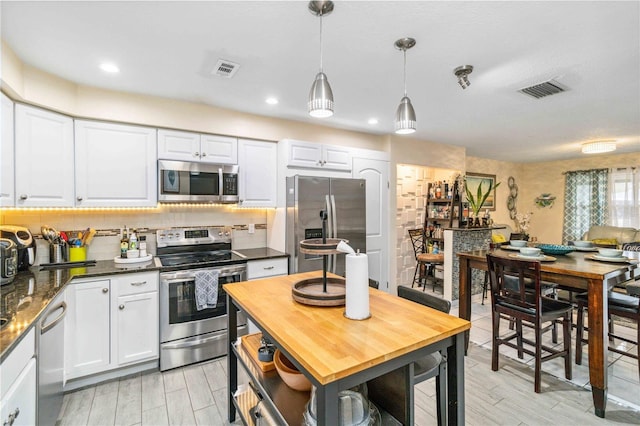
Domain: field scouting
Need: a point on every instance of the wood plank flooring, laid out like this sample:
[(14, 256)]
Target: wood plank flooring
[(196, 394)]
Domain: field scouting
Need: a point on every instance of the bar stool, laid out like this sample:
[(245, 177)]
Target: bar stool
[(425, 262)]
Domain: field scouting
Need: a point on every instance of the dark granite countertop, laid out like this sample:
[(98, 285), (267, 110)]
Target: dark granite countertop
[(25, 299)]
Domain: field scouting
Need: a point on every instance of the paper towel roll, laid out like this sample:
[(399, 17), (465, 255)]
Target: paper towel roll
[(357, 283)]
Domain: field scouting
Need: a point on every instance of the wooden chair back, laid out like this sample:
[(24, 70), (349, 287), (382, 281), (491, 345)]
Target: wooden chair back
[(425, 299), (510, 279), (418, 240)]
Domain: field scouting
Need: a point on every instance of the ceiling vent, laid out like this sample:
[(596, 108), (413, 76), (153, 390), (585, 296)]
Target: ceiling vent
[(543, 89), (225, 68)]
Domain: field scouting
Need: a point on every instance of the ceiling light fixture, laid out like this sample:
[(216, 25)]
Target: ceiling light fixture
[(405, 114), (109, 67), (321, 97), (272, 101), (462, 72), (372, 121), (598, 147)]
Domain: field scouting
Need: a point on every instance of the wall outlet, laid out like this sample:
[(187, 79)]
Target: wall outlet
[(252, 228)]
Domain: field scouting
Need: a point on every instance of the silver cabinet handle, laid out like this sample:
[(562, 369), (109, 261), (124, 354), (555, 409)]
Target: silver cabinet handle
[(121, 307), (196, 154), (105, 290), (79, 198), (45, 328), (12, 417), (23, 197), (138, 283), (268, 267), (204, 154)]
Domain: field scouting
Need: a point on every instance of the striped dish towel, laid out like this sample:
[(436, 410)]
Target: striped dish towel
[(206, 289)]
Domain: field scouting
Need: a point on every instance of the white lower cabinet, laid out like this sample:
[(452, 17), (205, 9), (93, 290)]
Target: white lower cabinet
[(18, 384), (111, 323)]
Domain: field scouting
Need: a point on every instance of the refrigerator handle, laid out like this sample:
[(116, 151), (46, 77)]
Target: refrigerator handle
[(329, 229), (334, 223)]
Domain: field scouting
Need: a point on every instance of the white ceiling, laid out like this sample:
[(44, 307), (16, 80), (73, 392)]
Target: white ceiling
[(168, 49)]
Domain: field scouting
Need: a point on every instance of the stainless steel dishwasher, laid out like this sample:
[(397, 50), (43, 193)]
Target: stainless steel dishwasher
[(50, 361)]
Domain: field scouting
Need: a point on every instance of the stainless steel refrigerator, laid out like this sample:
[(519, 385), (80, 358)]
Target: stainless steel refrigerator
[(344, 201)]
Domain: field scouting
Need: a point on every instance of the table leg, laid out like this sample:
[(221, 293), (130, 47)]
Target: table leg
[(455, 381), (464, 294), (327, 404), (598, 344), (232, 364)]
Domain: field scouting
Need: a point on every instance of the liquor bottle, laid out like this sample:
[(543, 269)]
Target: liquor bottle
[(124, 244), (439, 190), (446, 190)]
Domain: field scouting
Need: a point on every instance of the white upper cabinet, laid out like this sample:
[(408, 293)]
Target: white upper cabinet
[(7, 194), (257, 161), (115, 165), (317, 156), (44, 169), (188, 146)]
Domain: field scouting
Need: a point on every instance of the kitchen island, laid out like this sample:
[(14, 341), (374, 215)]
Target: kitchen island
[(336, 353)]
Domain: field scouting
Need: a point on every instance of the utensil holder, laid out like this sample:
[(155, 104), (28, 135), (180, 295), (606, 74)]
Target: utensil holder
[(58, 253), (77, 254)]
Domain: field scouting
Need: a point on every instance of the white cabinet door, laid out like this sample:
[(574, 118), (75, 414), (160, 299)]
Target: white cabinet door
[(115, 165), (44, 158), (218, 149), (304, 154), (176, 145), (7, 194), (257, 162), (136, 325), (19, 403), (87, 331), (336, 157)]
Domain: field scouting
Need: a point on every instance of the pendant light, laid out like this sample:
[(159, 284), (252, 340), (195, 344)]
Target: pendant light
[(321, 96), (405, 114)]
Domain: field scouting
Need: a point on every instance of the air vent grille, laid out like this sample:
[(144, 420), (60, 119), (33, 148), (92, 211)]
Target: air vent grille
[(543, 89), (225, 68)]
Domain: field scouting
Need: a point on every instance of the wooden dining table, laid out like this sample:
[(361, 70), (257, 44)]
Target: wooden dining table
[(576, 272)]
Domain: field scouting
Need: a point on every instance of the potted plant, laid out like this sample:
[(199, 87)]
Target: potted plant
[(476, 201)]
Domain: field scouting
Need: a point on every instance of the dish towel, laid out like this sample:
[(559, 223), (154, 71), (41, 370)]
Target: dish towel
[(206, 289)]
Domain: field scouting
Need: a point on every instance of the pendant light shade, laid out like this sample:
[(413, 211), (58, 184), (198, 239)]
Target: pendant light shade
[(320, 96), (405, 122)]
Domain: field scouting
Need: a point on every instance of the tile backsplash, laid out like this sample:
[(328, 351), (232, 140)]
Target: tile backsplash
[(106, 243)]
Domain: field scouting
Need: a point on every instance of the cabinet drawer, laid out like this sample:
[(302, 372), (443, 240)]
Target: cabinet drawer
[(267, 268), (17, 360), (136, 283)]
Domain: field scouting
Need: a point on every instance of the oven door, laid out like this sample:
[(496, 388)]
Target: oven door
[(179, 317)]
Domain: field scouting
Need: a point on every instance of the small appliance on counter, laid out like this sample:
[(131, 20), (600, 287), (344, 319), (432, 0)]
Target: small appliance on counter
[(25, 244), (9, 259)]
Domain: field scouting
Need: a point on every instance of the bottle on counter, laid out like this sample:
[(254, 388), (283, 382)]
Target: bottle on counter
[(133, 240), (124, 243), (142, 243), (436, 249)]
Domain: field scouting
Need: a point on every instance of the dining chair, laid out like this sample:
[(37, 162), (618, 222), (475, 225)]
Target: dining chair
[(622, 305), (425, 262), (509, 297), (434, 364)]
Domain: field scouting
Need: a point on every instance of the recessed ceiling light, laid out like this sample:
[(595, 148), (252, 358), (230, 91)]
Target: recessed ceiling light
[(372, 121), (109, 67), (272, 101)]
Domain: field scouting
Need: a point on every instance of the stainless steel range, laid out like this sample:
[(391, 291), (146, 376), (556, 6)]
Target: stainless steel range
[(189, 335)]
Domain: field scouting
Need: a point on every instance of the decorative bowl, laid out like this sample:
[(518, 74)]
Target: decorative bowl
[(583, 244), (530, 251), (289, 374), (555, 249), (608, 252), (518, 243)]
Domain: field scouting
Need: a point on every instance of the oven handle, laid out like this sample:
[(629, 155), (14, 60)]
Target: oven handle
[(199, 342), (191, 278)]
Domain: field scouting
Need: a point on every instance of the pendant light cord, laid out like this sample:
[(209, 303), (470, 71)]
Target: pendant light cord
[(405, 71), (320, 41)]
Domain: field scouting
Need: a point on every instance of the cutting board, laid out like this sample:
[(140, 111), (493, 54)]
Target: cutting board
[(251, 344)]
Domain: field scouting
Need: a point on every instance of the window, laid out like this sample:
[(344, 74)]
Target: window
[(585, 198), (624, 197)]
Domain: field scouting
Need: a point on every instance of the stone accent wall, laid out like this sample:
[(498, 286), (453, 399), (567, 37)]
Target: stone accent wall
[(466, 240)]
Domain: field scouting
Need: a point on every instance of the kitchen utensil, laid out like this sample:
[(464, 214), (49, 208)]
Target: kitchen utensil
[(64, 236), (89, 238), (44, 230), (289, 373), (84, 237), (8, 260)]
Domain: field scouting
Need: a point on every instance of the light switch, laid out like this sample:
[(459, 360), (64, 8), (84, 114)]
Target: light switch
[(252, 228)]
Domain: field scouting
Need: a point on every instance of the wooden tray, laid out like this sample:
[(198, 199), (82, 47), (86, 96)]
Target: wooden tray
[(251, 343), (316, 246), (309, 292)]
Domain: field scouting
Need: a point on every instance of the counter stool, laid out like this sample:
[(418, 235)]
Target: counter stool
[(425, 262), (618, 304)]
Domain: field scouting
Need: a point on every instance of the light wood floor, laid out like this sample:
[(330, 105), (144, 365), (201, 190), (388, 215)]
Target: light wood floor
[(196, 395)]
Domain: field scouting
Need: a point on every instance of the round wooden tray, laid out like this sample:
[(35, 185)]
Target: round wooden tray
[(316, 246), (309, 292)]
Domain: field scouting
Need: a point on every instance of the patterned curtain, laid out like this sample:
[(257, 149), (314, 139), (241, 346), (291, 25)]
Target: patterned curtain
[(585, 202)]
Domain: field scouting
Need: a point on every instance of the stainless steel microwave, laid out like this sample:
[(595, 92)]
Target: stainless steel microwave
[(192, 182)]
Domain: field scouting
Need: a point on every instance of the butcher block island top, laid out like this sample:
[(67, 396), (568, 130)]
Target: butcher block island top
[(327, 344)]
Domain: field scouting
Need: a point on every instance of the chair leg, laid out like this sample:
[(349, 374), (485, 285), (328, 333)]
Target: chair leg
[(579, 333), (538, 359), (415, 274), (554, 332), (638, 349), (495, 317), (441, 394), (519, 338), (566, 337), (485, 284)]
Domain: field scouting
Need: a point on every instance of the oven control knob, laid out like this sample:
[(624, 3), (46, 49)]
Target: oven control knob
[(220, 234), (226, 234)]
